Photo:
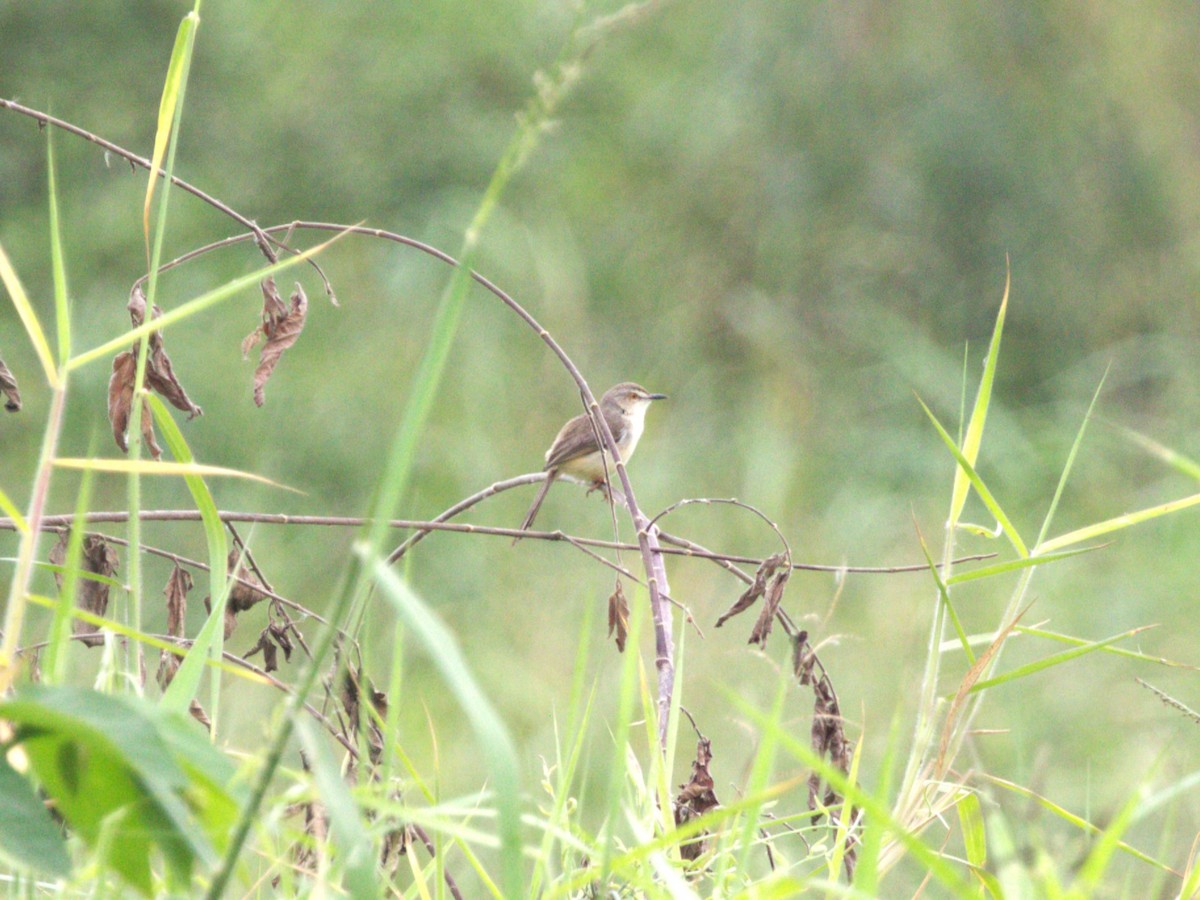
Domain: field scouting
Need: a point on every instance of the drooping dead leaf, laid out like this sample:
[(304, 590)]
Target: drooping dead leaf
[(176, 591), (160, 376), (244, 592), (281, 326), (270, 638), (618, 616), (828, 740), (756, 590), (96, 558), (198, 713), (8, 387), (766, 618), (355, 684), (696, 798)]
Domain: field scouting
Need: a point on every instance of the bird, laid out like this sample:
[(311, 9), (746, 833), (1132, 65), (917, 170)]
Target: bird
[(576, 451)]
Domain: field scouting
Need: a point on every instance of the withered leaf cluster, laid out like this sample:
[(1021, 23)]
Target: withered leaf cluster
[(176, 592), (356, 685), (769, 581), (8, 387), (271, 639), (97, 558), (828, 738), (160, 377), (245, 592), (696, 798), (281, 326), (618, 616)]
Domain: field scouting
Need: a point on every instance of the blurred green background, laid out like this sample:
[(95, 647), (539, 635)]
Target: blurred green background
[(788, 217)]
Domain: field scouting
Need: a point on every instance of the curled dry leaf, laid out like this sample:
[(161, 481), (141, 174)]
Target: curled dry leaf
[(274, 636), (354, 685), (176, 591), (96, 558), (244, 592), (618, 616), (828, 734), (696, 798), (160, 377), (756, 590), (8, 387), (766, 618), (281, 326)]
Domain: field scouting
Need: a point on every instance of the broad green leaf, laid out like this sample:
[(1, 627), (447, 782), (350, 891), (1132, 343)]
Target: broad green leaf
[(974, 436), (118, 782), (33, 328), (29, 838)]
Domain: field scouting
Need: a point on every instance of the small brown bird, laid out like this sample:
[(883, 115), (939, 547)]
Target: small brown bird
[(576, 453)]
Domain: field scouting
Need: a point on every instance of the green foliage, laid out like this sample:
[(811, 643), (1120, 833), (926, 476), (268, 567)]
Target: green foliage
[(788, 218), (127, 777)]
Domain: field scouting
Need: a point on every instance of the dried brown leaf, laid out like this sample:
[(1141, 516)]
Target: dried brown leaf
[(281, 326), (198, 713), (96, 558), (176, 591), (8, 387), (756, 590), (120, 404), (696, 798), (766, 618), (618, 616)]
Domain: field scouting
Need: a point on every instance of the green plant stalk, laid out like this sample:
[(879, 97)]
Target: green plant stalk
[(184, 45), (14, 615), (283, 732), (60, 626)]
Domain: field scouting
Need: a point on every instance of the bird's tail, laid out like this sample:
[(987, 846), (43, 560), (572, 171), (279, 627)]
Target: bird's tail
[(537, 504)]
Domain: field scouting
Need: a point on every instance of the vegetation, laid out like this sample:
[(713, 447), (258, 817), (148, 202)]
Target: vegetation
[(923, 653)]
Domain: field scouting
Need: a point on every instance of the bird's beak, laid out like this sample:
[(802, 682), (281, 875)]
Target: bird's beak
[(656, 396)]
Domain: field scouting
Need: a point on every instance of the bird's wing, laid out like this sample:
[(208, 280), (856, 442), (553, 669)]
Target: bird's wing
[(577, 438)]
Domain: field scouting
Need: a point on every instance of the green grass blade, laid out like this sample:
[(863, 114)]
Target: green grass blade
[(355, 849), (1037, 559), (60, 625), (1116, 651), (169, 106), (10, 510), (1185, 465), (210, 641), (967, 470), (945, 595), (62, 307), (1078, 821), (1070, 464), (974, 436), (1051, 661), (1116, 523), (493, 738), (33, 327)]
